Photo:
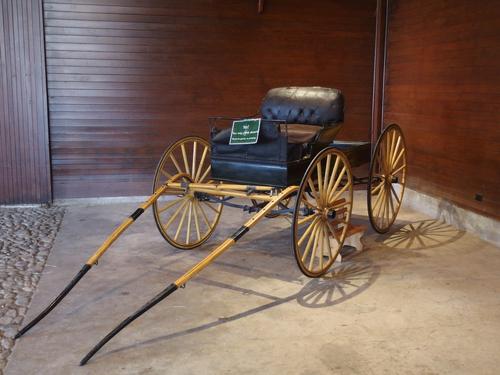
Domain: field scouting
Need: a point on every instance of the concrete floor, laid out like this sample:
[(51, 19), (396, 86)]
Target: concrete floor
[(423, 299)]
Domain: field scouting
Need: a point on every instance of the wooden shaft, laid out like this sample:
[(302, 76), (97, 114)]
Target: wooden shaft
[(123, 226), (220, 186), (231, 241), (226, 193)]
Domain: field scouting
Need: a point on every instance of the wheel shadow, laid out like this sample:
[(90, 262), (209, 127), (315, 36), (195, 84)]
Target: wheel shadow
[(419, 235), (340, 284)]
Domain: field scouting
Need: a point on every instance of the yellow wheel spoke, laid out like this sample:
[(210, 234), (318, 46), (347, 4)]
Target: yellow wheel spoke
[(204, 215), (382, 201), (172, 218), (401, 153), (391, 203), (188, 232), (377, 188), (210, 206), (308, 230), (395, 195), (193, 167), (306, 219), (394, 153), (399, 169), (391, 149), (184, 157), (340, 205), (205, 174), (327, 175), (314, 248), (170, 204), (203, 156), (320, 182), (340, 192), (332, 176), (174, 160), (385, 208), (165, 173), (333, 232), (387, 151), (313, 190), (196, 222), (181, 223), (377, 200), (309, 243), (387, 215), (336, 185)]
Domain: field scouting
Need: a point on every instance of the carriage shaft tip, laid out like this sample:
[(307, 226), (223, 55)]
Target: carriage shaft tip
[(55, 302), (158, 298)]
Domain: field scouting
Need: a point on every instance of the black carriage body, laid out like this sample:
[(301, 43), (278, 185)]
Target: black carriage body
[(297, 123)]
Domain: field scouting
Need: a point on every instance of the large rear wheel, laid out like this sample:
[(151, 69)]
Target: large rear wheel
[(322, 212), (387, 179)]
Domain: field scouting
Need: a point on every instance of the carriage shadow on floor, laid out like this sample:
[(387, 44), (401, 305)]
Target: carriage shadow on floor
[(341, 283)]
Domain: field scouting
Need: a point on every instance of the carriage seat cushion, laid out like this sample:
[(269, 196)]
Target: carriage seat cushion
[(304, 105), (298, 133)]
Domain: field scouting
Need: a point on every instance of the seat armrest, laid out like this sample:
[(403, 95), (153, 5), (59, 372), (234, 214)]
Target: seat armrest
[(328, 133)]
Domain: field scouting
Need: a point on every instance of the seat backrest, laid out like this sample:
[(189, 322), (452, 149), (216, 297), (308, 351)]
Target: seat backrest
[(304, 105)]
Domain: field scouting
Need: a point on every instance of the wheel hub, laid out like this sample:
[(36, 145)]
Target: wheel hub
[(329, 213)]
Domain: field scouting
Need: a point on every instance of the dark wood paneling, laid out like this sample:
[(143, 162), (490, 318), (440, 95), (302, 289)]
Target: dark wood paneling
[(126, 78), (443, 88), (24, 144)]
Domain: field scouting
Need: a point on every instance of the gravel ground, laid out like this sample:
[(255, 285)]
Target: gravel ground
[(26, 237)]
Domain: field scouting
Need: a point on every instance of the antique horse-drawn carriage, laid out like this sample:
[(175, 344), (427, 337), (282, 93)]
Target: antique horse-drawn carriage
[(285, 162)]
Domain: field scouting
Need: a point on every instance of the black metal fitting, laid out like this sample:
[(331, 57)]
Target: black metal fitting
[(137, 213), (204, 197), (240, 233)]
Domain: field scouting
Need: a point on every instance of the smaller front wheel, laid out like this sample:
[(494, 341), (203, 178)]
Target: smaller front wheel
[(322, 212), (185, 219)]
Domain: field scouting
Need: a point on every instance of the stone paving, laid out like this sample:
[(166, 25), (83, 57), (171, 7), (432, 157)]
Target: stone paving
[(26, 238)]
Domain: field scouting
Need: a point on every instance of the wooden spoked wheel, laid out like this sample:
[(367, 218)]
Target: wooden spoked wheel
[(387, 179), (185, 220), (322, 212)]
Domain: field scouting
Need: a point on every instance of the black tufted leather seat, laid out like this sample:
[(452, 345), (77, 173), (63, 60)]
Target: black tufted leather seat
[(310, 119), (303, 105)]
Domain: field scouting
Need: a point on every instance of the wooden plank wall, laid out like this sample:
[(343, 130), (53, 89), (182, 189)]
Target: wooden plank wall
[(443, 87), (128, 77), (24, 143)]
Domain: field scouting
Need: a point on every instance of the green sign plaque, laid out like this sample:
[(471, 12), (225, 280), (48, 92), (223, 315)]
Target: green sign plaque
[(245, 132)]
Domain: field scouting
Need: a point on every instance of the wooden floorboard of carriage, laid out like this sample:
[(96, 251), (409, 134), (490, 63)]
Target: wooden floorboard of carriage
[(24, 143), (442, 87), (126, 78)]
